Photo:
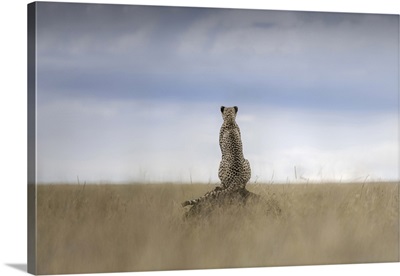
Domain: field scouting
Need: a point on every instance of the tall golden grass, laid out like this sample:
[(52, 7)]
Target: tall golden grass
[(104, 228)]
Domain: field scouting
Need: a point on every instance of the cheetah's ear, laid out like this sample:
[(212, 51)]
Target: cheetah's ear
[(222, 109), (236, 109)]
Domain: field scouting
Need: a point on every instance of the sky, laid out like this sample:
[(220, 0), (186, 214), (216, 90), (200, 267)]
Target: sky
[(133, 93)]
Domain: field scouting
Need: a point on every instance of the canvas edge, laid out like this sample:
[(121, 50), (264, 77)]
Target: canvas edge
[(398, 137), (31, 139)]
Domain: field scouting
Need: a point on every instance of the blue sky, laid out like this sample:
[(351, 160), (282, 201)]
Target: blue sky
[(132, 93)]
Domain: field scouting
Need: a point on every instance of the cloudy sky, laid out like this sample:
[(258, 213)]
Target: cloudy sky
[(132, 93)]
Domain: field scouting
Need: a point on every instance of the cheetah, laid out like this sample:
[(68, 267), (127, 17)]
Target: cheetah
[(234, 170)]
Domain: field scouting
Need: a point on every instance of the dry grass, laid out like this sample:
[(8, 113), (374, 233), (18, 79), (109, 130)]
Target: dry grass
[(104, 228)]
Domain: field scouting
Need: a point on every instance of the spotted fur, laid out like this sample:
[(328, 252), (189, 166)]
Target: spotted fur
[(234, 170)]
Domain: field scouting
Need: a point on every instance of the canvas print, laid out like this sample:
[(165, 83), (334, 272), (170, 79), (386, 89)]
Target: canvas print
[(169, 138)]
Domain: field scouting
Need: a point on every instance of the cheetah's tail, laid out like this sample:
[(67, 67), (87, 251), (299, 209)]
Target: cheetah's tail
[(188, 202)]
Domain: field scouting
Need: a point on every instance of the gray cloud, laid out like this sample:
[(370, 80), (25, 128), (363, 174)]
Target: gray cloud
[(296, 56)]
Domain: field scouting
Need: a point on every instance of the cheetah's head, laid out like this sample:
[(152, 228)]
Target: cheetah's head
[(229, 114)]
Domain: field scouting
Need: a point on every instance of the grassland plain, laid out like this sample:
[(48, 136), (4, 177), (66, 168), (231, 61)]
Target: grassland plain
[(137, 227)]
